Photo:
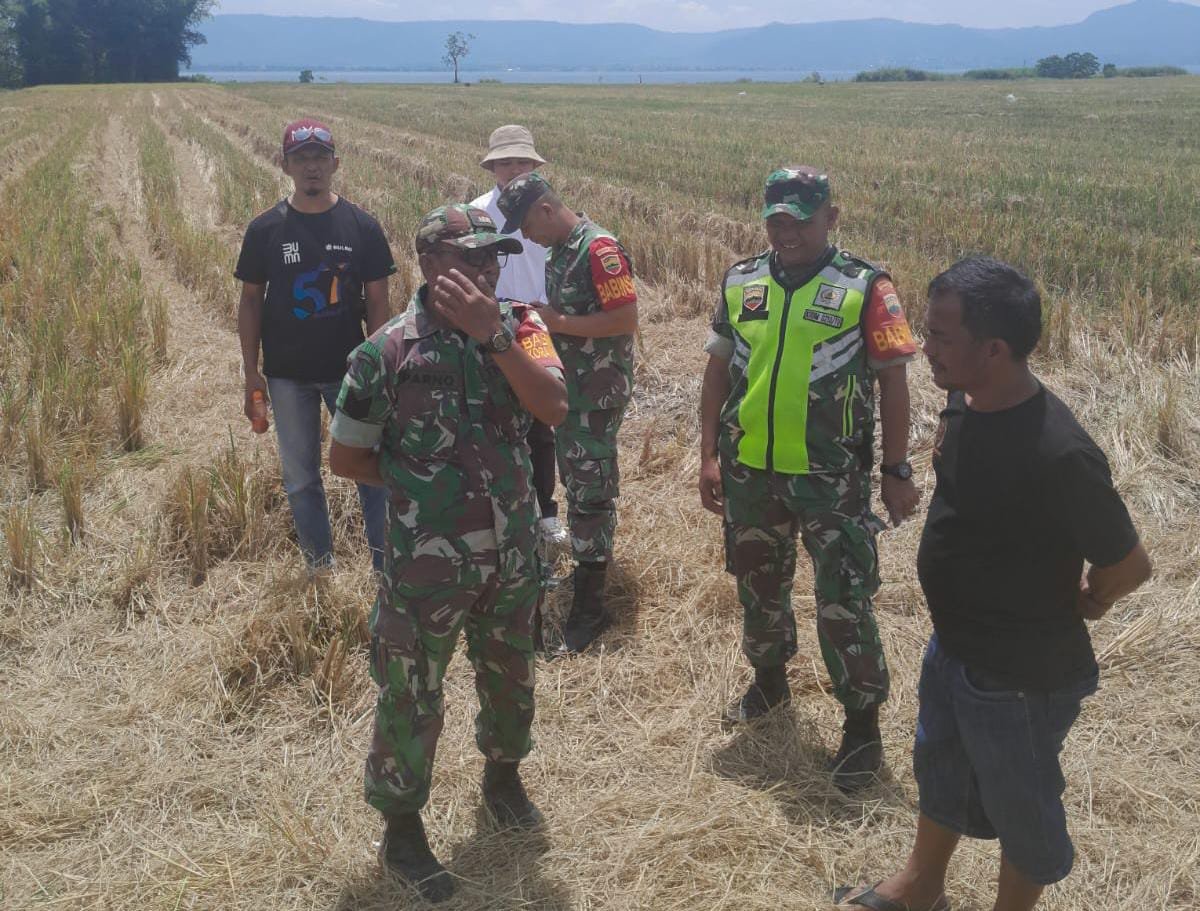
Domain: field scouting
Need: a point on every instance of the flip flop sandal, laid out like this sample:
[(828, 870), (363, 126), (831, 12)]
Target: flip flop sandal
[(873, 901)]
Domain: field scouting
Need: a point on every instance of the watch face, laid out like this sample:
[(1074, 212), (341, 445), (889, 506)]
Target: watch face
[(501, 341), (903, 470)]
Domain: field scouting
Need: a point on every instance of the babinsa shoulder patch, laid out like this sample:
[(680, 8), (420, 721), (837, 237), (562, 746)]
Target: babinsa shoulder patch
[(610, 260)]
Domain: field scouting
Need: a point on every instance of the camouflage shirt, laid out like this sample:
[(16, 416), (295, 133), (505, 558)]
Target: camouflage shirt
[(451, 436), (588, 273)]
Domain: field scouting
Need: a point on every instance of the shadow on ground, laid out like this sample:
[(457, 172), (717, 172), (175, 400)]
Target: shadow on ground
[(492, 869), (785, 754), (622, 597)]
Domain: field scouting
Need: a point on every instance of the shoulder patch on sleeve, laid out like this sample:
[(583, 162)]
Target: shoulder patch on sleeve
[(854, 266), (749, 264), (610, 260)]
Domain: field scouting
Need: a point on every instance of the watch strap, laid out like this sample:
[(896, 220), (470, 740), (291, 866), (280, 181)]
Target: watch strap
[(500, 341), (900, 470)]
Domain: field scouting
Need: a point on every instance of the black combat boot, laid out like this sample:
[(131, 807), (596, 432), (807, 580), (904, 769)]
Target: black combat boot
[(860, 757), (505, 797), (769, 689), (405, 853), (588, 618)]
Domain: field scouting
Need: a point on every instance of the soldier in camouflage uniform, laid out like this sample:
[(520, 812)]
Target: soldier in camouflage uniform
[(435, 407), (801, 335), (592, 316)]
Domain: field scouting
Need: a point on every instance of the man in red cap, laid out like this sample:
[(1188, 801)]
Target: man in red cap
[(314, 267)]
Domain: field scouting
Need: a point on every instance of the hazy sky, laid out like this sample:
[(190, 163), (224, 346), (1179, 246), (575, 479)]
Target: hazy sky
[(694, 15)]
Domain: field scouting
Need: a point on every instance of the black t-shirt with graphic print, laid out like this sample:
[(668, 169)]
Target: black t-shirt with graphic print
[(314, 267), (1023, 498)]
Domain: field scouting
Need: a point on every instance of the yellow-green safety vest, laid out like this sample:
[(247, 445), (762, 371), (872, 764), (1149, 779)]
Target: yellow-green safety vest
[(802, 396)]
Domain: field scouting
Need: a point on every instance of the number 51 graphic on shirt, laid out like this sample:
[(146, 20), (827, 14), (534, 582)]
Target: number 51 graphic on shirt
[(307, 286)]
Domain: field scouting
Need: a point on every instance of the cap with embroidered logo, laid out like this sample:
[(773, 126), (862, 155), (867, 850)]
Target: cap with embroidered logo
[(462, 226), (796, 191)]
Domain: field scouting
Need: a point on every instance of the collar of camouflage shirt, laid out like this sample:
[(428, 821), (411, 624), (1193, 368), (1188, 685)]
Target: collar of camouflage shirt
[(578, 231), (422, 324)]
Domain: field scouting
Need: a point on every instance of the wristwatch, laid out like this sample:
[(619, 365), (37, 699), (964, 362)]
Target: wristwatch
[(500, 341), (901, 470)]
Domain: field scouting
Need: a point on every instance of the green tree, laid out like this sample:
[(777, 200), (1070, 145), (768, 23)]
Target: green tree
[(306, 76), (68, 41), (11, 71), (1109, 70), (1082, 65), (1076, 65), (456, 49), (1052, 67), (50, 48)]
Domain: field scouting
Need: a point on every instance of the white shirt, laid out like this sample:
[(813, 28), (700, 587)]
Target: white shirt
[(523, 277)]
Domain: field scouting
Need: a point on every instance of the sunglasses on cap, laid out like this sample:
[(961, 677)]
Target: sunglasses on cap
[(477, 258), (805, 191), (303, 134)]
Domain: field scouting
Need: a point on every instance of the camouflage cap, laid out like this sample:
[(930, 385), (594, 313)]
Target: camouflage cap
[(518, 196), (463, 226), (797, 191)]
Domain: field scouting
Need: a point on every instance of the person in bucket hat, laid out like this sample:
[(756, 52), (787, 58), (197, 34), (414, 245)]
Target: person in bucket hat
[(592, 316), (511, 154), (510, 143), (802, 334), (434, 410), (314, 269)]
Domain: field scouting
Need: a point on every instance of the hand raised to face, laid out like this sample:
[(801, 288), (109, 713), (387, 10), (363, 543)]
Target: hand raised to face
[(465, 305)]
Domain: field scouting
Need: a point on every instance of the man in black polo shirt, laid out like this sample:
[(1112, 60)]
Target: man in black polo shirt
[(1023, 500), (314, 268)]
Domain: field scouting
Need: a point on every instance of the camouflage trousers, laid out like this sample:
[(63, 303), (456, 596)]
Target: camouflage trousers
[(832, 514), (414, 630), (586, 444)]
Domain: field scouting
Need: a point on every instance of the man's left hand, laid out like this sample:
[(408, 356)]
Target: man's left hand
[(900, 497), (1089, 608), (555, 320), (465, 306)]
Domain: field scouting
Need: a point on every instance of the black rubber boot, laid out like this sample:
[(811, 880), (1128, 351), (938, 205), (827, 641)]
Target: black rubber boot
[(505, 798), (405, 853), (860, 756), (769, 689), (588, 618)]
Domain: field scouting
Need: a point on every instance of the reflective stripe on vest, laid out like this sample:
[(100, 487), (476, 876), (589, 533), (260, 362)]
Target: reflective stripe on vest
[(795, 338)]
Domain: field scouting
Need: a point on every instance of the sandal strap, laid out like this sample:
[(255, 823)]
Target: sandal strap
[(873, 901), (876, 902)]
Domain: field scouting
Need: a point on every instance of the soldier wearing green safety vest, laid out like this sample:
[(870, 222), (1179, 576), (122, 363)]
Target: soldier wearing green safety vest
[(801, 335)]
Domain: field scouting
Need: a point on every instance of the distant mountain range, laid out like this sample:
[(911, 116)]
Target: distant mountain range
[(1140, 33)]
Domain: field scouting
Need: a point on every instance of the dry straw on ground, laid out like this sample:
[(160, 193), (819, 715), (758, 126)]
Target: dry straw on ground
[(169, 745)]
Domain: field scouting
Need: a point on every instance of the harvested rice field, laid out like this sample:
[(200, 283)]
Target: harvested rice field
[(183, 719)]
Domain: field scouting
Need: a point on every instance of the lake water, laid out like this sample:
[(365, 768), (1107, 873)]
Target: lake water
[(519, 76), (570, 77)]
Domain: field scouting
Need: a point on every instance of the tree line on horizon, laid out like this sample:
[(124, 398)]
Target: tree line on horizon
[(1076, 65), (78, 41)]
